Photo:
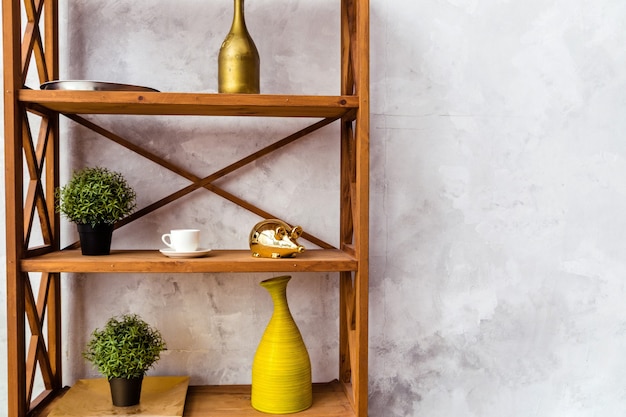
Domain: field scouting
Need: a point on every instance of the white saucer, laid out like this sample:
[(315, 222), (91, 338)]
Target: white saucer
[(179, 254)]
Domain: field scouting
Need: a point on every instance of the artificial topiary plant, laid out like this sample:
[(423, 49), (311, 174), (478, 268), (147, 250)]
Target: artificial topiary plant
[(96, 196), (124, 348)]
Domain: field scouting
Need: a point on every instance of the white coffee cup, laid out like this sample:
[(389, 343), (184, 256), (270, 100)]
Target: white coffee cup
[(182, 240)]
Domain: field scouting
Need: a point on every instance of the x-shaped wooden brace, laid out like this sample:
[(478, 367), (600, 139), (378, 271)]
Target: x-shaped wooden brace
[(37, 351), (208, 181), (31, 41), (35, 196)]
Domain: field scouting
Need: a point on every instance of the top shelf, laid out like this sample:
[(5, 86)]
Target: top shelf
[(189, 104)]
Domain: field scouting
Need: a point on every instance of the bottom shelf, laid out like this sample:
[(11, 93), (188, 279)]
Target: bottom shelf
[(329, 400)]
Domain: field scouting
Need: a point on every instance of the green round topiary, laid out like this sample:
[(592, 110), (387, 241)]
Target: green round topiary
[(124, 348), (96, 196)]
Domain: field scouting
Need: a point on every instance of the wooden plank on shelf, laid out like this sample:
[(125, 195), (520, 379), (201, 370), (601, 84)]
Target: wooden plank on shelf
[(329, 400), (151, 103), (161, 396), (146, 261)]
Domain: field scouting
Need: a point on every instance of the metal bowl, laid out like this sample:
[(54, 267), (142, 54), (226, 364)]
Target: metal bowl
[(85, 85)]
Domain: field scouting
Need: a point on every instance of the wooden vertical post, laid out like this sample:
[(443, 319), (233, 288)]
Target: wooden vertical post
[(13, 114), (353, 330), (361, 281), (51, 26)]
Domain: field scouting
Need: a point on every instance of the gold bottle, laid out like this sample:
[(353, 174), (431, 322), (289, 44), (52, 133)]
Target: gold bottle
[(238, 61)]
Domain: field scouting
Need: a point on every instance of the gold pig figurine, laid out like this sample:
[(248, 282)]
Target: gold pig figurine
[(274, 238)]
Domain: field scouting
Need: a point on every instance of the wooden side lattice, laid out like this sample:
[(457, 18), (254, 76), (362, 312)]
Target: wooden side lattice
[(33, 303), (354, 213)]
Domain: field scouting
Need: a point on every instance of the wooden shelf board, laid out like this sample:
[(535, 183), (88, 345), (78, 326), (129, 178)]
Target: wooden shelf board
[(315, 260), (329, 400), (151, 103)]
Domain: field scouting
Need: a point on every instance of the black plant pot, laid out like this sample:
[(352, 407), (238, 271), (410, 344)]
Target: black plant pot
[(125, 391), (95, 240)]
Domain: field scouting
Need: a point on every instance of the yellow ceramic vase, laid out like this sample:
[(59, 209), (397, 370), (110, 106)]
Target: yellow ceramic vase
[(281, 371)]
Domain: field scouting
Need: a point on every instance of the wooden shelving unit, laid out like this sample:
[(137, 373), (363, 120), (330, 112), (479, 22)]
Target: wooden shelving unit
[(32, 164)]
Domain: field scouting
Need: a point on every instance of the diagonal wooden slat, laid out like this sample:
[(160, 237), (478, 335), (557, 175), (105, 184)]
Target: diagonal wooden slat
[(31, 43), (53, 321), (43, 301), (355, 55), (44, 207), (31, 366), (206, 182), (30, 35), (184, 173), (348, 172), (40, 59), (35, 197), (38, 53), (348, 293), (37, 352), (29, 209), (349, 56), (347, 82), (30, 160), (346, 326)]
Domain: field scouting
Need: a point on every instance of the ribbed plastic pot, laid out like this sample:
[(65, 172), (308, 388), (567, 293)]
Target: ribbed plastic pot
[(95, 240), (125, 391)]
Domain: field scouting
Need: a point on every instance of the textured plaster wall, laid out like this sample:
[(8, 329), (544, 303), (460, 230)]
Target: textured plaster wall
[(499, 177), (497, 199)]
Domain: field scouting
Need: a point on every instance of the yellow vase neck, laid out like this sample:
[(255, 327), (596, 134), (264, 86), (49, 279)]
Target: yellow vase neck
[(277, 287)]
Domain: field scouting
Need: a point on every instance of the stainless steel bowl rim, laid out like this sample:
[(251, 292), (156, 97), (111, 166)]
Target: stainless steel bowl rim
[(89, 85)]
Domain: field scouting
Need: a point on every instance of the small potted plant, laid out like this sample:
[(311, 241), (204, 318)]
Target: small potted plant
[(123, 351), (94, 199)]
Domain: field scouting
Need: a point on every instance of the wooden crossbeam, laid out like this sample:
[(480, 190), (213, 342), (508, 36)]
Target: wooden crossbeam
[(206, 182)]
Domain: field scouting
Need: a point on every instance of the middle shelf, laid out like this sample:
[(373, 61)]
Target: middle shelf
[(146, 261)]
